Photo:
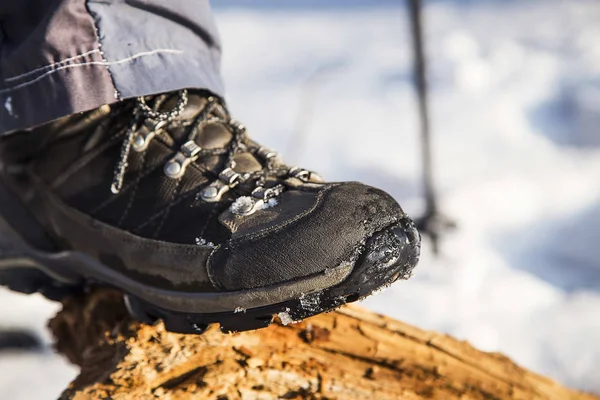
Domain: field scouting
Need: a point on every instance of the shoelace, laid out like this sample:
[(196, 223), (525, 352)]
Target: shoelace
[(148, 122)]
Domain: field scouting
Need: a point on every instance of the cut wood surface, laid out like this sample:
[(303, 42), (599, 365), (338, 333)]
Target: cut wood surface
[(348, 354)]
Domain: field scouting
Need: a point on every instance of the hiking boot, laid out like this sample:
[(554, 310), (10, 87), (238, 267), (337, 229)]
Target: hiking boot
[(168, 200)]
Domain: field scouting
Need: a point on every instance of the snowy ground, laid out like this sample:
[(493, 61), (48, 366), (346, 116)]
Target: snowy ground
[(516, 115)]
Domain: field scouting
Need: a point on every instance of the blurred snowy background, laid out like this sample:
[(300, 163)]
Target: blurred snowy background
[(515, 97)]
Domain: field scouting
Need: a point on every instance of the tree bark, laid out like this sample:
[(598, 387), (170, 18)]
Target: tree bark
[(348, 354)]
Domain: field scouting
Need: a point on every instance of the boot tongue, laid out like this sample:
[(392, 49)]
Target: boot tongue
[(246, 162), (212, 136)]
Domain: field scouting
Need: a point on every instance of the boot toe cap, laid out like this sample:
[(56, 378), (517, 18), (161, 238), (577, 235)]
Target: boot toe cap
[(346, 222)]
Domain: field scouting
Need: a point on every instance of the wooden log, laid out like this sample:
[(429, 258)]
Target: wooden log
[(348, 354)]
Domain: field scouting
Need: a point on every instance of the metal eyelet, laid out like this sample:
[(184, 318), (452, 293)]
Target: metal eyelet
[(228, 178), (146, 133), (246, 205), (305, 175), (260, 198), (231, 177), (188, 153), (214, 192), (237, 125), (265, 194), (266, 153)]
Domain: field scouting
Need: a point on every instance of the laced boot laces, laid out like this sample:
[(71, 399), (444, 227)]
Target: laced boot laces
[(148, 122)]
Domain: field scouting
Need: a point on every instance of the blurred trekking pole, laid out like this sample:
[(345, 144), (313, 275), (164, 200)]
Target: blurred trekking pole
[(432, 223)]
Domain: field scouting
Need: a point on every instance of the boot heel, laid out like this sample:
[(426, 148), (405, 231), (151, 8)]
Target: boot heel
[(21, 273), (20, 237)]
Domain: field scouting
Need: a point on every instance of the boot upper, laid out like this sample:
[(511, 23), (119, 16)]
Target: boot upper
[(187, 200)]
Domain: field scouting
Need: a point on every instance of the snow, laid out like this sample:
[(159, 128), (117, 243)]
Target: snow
[(31, 375), (516, 108), (285, 317)]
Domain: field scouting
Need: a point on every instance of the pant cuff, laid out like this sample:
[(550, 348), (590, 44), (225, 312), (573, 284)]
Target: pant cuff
[(116, 51)]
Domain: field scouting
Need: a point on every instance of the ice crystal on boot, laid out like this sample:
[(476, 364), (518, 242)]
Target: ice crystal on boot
[(243, 205), (272, 202), (285, 317), (204, 242), (310, 301)]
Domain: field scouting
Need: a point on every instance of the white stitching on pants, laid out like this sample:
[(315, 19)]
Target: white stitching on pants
[(116, 94), (103, 63), (50, 66)]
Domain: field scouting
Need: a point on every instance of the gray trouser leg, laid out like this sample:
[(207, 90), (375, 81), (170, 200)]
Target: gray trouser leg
[(59, 57)]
